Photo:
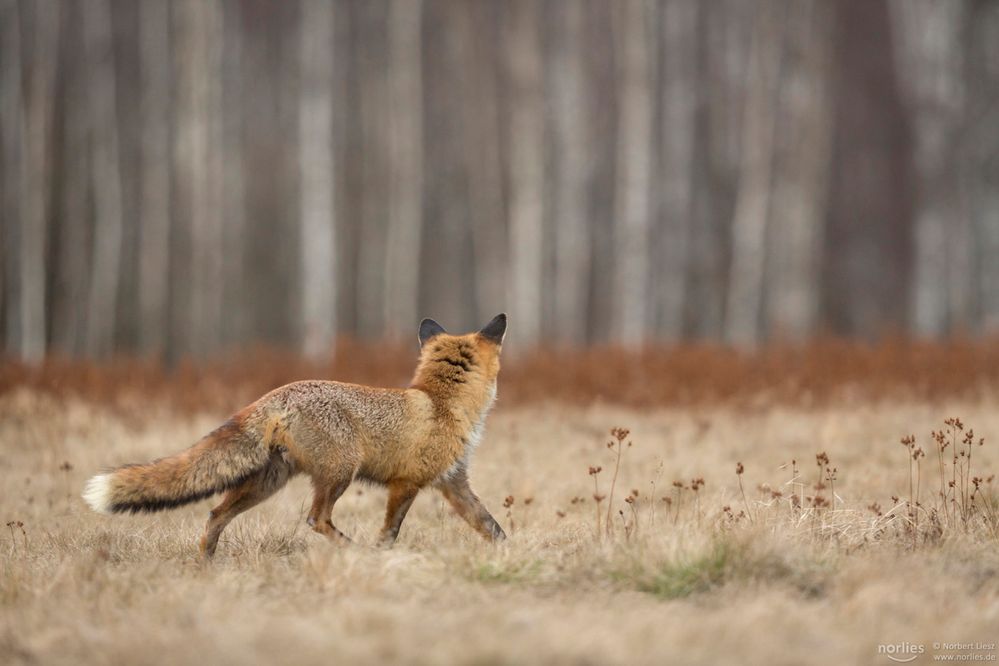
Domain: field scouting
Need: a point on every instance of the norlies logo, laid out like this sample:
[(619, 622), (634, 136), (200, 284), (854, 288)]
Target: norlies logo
[(901, 652)]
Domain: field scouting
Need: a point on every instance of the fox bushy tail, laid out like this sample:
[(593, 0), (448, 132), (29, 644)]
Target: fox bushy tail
[(221, 460)]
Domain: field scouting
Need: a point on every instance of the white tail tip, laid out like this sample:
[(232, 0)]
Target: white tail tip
[(97, 494)]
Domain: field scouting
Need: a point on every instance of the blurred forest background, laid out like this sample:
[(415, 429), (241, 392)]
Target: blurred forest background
[(180, 178)]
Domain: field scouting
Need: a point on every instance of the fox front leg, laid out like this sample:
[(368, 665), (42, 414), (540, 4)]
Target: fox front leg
[(460, 495), (401, 496)]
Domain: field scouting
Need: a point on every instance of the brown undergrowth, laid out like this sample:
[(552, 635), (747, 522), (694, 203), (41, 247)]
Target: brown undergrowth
[(687, 375)]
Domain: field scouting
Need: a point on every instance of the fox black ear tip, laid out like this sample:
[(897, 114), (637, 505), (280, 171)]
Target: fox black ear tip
[(428, 329), (495, 329)]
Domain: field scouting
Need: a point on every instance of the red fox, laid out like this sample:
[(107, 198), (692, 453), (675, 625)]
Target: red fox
[(404, 439)]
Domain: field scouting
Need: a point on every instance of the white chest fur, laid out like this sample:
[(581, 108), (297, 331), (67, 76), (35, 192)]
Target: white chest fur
[(471, 441)]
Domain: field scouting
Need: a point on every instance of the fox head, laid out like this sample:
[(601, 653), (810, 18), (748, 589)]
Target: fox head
[(460, 361)]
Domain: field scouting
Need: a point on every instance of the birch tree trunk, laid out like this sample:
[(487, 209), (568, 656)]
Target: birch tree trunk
[(235, 301), (198, 299), (481, 133), (154, 236), (867, 245), (752, 209), (526, 132), (27, 136), (318, 236), (402, 266), (572, 154), (373, 73), (979, 147), (447, 291), (106, 180), (12, 126), (632, 193), (678, 48), (930, 57), (209, 253), (801, 174), (73, 236), (724, 41), (40, 110)]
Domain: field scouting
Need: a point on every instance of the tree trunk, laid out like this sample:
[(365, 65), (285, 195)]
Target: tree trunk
[(752, 206), (526, 136), (73, 233), (801, 174), (235, 300), (724, 30), (14, 173), (198, 292), (979, 148), (930, 52), (316, 171), (27, 136), (867, 247), (402, 266), (679, 89), (105, 180), (572, 155), (373, 79), (632, 192), (154, 237), (477, 76)]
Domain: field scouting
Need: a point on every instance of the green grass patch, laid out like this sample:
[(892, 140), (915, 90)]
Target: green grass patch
[(724, 563), (505, 572)]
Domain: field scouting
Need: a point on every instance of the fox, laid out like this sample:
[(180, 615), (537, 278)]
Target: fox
[(405, 439)]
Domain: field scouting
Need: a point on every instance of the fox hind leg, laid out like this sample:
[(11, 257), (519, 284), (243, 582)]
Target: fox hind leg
[(245, 496), (325, 495)]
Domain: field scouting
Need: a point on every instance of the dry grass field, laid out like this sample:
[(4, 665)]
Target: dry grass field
[(785, 563)]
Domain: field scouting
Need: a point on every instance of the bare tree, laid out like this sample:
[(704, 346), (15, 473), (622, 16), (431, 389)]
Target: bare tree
[(752, 209), (678, 54), (106, 180), (71, 272), (477, 78), (235, 304), (633, 186), (198, 299), (402, 266), (373, 74), (316, 172), (724, 36), (979, 146), (154, 235), (572, 155), (867, 242), (930, 57), (801, 164), (27, 136), (14, 170), (526, 135)]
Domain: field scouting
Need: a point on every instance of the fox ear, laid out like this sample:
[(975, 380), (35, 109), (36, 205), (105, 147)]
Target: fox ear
[(495, 330), (428, 329)]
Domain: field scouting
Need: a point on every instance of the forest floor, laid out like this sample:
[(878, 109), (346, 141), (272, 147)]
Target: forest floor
[(785, 563)]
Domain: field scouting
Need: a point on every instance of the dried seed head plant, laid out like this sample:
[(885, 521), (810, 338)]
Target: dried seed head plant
[(617, 445)]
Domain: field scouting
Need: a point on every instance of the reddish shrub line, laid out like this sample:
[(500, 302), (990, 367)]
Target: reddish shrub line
[(684, 375)]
